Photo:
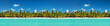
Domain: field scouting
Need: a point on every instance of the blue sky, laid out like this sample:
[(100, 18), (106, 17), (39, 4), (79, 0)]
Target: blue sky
[(59, 5)]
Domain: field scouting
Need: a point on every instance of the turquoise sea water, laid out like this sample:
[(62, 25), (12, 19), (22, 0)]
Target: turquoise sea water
[(54, 22)]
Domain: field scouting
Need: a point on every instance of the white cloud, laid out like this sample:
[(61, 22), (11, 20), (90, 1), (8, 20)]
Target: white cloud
[(16, 5), (92, 9), (42, 10), (35, 11), (105, 11), (53, 9), (83, 9), (67, 11), (75, 10), (21, 9), (12, 9), (4, 10), (86, 5)]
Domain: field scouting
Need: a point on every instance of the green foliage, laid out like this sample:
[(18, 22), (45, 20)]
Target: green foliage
[(54, 14)]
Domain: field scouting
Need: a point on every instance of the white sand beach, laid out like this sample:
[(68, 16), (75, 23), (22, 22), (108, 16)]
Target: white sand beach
[(54, 18)]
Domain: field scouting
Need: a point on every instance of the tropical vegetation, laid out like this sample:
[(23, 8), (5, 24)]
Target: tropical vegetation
[(54, 14)]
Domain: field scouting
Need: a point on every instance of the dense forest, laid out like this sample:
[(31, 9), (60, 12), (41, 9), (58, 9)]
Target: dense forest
[(54, 14)]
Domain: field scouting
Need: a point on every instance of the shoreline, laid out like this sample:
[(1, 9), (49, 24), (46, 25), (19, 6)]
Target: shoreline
[(54, 18)]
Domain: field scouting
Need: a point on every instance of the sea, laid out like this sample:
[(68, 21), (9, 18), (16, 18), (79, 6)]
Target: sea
[(54, 22)]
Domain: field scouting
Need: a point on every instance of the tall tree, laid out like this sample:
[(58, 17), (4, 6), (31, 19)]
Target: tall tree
[(15, 13), (98, 13), (73, 12), (94, 11), (52, 11), (47, 11), (10, 11), (27, 14), (24, 12), (20, 11), (56, 11), (59, 14), (41, 12), (91, 11), (81, 11)]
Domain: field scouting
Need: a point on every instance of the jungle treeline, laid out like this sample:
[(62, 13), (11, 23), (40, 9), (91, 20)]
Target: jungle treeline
[(53, 13)]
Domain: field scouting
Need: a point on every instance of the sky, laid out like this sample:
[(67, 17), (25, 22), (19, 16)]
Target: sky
[(56, 5)]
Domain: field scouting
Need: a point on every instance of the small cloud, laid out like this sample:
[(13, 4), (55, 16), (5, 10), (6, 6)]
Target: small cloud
[(16, 5), (12, 9), (67, 11), (86, 5), (35, 11), (92, 9), (83, 9), (42, 10), (106, 11), (21, 9), (53, 9)]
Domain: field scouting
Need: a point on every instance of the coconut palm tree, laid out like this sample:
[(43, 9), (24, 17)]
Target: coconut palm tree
[(72, 14), (98, 13), (59, 14), (15, 14), (91, 13), (27, 14), (20, 11), (94, 14), (56, 15), (23, 14)]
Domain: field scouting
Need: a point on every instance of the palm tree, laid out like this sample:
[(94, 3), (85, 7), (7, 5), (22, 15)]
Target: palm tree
[(40, 14), (10, 13), (27, 14), (52, 11), (15, 14), (72, 14), (81, 13), (47, 13), (91, 13), (2, 14), (94, 14), (33, 14), (107, 13), (20, 11), (44, 13), (59, 14), (85, 13), (2, 11), (56, 15), (98, 13), (23, 14)]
